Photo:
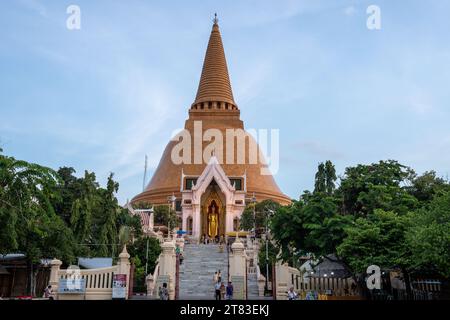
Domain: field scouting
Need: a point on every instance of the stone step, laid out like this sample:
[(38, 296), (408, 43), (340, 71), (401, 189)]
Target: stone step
[(198, 268)]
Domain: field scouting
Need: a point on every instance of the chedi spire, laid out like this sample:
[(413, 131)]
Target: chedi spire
[(214, 90)]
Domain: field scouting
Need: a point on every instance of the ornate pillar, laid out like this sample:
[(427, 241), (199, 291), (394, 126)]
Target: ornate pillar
[(167, 267), (123, 267), (196, 232), (238, 274), (229, 218), (54, 276)]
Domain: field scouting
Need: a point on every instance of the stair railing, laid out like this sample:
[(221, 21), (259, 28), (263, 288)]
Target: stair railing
[(177, 278)]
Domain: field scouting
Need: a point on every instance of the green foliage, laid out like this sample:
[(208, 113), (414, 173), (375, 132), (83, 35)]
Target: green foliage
[(138, 251), (273, 251), (311, 225), (365, 188), (320, 183), (165, 216), (378, 239), (428, 236), (381, 214), (139, 248), (262, 210), (426, 186), (325, 178), (44, 213), (28, 223)]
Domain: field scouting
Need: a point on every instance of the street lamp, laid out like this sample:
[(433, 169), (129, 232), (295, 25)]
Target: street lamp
[(253, 200), (146, 252), (270, 212), (171, 200)]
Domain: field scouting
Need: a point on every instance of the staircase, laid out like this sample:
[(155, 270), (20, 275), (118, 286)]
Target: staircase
[(200, 263), (252, 286)]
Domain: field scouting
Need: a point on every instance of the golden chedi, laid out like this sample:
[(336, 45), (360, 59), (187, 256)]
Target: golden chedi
[(211, 187)]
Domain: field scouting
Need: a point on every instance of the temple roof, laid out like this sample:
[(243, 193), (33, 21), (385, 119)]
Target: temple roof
[(215, 83)]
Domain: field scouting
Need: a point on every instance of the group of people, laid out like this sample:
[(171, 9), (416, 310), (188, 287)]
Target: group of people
[(222, 292), (206, 239)]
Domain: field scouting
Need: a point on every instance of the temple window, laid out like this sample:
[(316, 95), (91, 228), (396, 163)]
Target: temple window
[(190, 182), (178, 205), (237, 182)]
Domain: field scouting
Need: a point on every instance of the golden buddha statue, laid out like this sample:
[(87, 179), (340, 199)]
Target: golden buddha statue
[(213, 222)]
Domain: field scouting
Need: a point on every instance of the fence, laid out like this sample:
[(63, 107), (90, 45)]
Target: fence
[(324, 288), (98, 282)]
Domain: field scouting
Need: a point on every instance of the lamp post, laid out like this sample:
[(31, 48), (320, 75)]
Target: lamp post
[(253, 200), (270, 212), (146, 252), (171, 200)]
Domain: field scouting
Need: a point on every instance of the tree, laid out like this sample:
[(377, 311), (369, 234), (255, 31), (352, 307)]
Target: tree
[(261, 209), (320, 179), (109, 210), (428, 237), (28, 222), (325, 178), (330, 174), (83, 209), (309, 226), (273, 251), (378, 239), (164, 215), (365, 188), (426, 186), (138, 253)]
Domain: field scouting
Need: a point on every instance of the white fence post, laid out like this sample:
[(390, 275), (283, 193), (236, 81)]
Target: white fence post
[(54, 276), (237, 274), (123, 267), (167, 267)]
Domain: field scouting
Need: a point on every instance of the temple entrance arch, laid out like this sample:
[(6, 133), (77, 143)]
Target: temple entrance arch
[(213, 212), (212, 202)]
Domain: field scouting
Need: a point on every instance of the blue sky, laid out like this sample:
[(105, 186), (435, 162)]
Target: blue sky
[(102, 97)]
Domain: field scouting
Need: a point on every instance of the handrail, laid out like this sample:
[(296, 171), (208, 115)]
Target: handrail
[(228, 262), (177, 277)]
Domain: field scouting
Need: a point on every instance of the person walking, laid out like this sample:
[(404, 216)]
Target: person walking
[(181, 258), (222, 290), (163, 292), (219, 276), (217, 290), (230, 291), (215, 277), (48, 293), (292, 295)]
